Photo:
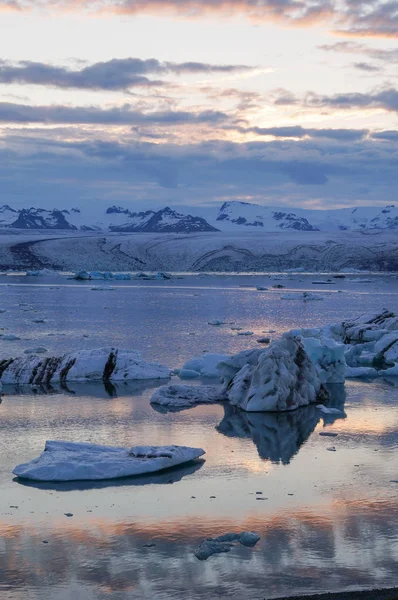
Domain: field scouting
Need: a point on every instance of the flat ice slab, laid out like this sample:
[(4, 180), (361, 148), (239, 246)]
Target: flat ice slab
[(69, 461), (178, 397)]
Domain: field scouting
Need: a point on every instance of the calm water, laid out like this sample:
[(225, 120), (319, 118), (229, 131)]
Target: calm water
[(328, 520)]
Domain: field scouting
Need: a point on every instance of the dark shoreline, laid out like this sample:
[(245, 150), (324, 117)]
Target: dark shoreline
[(376, 594)]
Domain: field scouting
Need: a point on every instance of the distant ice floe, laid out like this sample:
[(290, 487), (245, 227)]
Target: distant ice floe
[(108, 275), (225, 543), (305, 296), (68, 461), (179, 397), (102, 364), (38, 350)]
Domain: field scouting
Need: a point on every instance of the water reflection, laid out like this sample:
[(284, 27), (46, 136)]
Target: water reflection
[(316, 549), (93, 389), (168, 476), (279, 436)]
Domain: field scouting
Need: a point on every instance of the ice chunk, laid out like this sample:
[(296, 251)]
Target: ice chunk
[(69, 461), (178, 397), (245, 333), (264, 340), (216, 322), (327, 410), (38, 350), (328, 357), (205, 365), (9, 337), (225, 543), (283, 378), (102, 364), (82, 276), (102, 288)]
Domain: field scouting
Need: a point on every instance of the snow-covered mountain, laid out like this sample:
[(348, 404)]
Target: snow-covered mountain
[(243, 215), (162, 221), (230, 217)]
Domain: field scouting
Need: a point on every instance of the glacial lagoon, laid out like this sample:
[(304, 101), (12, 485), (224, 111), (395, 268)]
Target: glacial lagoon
[(328, 520)]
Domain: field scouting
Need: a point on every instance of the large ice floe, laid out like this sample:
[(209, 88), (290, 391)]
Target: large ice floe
[(369, 342), (102, 364), (69, 461)]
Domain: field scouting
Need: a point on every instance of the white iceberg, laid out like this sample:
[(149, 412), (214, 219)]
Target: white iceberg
[(370, 343), (178, 397), (102, 364), (69, 461), (278, 378), (204, 366)]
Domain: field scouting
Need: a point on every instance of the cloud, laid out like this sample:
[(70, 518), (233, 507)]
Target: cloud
[(378, 18), (382, 54), (387, 99), (384, 98), (302, 132), (116, 74), (285, 171), (124, 115), (367, 67)]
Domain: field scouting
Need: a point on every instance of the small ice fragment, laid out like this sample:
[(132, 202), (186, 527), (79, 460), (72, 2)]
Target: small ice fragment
[(263, 340), (39, 320), (245, 333), (38, 350), (10, 337), (216, 323), (328, 411)]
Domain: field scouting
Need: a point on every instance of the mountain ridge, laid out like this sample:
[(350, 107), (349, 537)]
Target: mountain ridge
[(231, 216)]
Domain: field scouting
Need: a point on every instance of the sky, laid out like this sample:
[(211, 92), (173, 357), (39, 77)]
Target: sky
[(148, 103)]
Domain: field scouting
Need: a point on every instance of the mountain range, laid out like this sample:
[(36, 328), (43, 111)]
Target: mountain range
[(231, 216)]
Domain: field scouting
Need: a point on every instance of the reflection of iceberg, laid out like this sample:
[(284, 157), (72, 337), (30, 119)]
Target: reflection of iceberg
[(167, 476), (94, 389), (278, 435)]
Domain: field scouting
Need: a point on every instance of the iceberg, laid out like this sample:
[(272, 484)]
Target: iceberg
[(102, 364), (281, 377), (70, 461), (370, 344), (180, 397)]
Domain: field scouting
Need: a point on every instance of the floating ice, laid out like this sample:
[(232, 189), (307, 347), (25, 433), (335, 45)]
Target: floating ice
[(69, 461), (178, 397), (245, 333), (9, 337), (216, 323), (102, 288), (203, 366), (102, 364), (327, 410), (38, 350), (278, 378), (225, 543)]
